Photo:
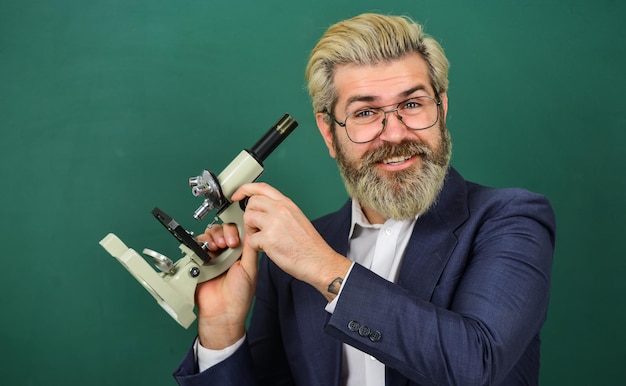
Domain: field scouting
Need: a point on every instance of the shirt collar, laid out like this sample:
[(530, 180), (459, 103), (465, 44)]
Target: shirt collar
[(358, 218)]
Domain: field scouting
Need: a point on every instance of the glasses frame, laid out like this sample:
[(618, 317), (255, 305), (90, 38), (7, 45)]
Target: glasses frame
[(385, 112)]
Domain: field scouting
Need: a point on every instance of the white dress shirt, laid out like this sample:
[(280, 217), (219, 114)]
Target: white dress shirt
[(378, 247)]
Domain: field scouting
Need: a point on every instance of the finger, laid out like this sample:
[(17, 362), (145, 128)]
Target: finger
[(252, 220), (220, 236), (231, 235), (260, 188), (213, 237)]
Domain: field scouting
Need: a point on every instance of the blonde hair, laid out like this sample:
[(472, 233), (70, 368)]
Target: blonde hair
[(370, 39)]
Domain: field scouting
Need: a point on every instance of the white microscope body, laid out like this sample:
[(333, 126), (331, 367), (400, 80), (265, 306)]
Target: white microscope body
[(174, 287)]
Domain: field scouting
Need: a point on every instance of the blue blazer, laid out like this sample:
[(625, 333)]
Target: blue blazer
[(469, 303)]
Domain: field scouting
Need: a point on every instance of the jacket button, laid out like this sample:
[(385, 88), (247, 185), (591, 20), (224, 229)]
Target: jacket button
[(375, 336), (353, 326), (364, 331)]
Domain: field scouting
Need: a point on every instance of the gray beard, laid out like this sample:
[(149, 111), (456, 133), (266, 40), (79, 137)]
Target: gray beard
[(403, 194)]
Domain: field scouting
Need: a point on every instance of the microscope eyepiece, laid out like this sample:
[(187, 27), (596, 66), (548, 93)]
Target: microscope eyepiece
[(275, 135)]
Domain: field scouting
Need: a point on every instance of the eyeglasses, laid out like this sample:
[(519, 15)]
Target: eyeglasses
[(365, 125)]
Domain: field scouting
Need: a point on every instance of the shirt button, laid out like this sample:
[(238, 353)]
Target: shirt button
[(364, 331), (388, 231), (353, 326)]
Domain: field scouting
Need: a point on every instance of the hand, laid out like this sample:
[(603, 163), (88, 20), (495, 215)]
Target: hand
[(275, 225), (224, 302)]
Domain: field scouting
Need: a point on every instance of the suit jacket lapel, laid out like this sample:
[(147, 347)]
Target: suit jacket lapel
[(430, 247), (433, 239)]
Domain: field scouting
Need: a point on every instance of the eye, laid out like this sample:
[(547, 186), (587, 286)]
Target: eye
[(411, 104), (364, 114)]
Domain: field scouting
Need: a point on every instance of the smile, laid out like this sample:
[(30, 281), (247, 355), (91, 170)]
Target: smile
[(396, 160)]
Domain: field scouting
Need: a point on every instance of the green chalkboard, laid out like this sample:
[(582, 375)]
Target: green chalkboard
[(108, 107)]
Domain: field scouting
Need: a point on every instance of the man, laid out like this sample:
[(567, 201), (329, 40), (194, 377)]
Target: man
[(422, 278)]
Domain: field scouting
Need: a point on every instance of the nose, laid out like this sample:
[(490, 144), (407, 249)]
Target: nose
[(395, 131)]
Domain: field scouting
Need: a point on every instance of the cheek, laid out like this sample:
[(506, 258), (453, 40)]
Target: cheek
[(432, 137), (350, 152)]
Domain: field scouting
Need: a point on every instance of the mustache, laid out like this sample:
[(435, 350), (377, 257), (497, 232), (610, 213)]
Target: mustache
[(403, 149)]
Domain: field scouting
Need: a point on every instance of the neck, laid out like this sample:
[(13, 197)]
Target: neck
[(373, 217)]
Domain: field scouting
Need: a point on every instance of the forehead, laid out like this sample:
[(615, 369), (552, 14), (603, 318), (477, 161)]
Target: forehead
[(381, 83)]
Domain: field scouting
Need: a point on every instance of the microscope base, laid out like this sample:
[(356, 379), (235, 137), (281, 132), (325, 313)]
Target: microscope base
[(174, 292)]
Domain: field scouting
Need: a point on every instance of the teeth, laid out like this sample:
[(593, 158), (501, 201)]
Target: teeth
[(395, 160)]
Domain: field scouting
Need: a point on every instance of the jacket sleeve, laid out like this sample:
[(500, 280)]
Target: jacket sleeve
[(234, 371), (479, 320)]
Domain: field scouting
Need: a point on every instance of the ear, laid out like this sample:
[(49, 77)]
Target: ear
[(325, 130), (444, 104)]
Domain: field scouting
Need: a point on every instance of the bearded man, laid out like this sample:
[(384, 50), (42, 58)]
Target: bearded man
[(421, 278)]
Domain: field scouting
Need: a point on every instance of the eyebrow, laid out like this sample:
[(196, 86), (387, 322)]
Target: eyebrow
[(371, 98)]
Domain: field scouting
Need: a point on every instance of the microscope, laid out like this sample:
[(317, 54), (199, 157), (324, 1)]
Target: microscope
[(174, 284)]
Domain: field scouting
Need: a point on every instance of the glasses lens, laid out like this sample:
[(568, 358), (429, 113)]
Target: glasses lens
[(419, 113), (367, 124)]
